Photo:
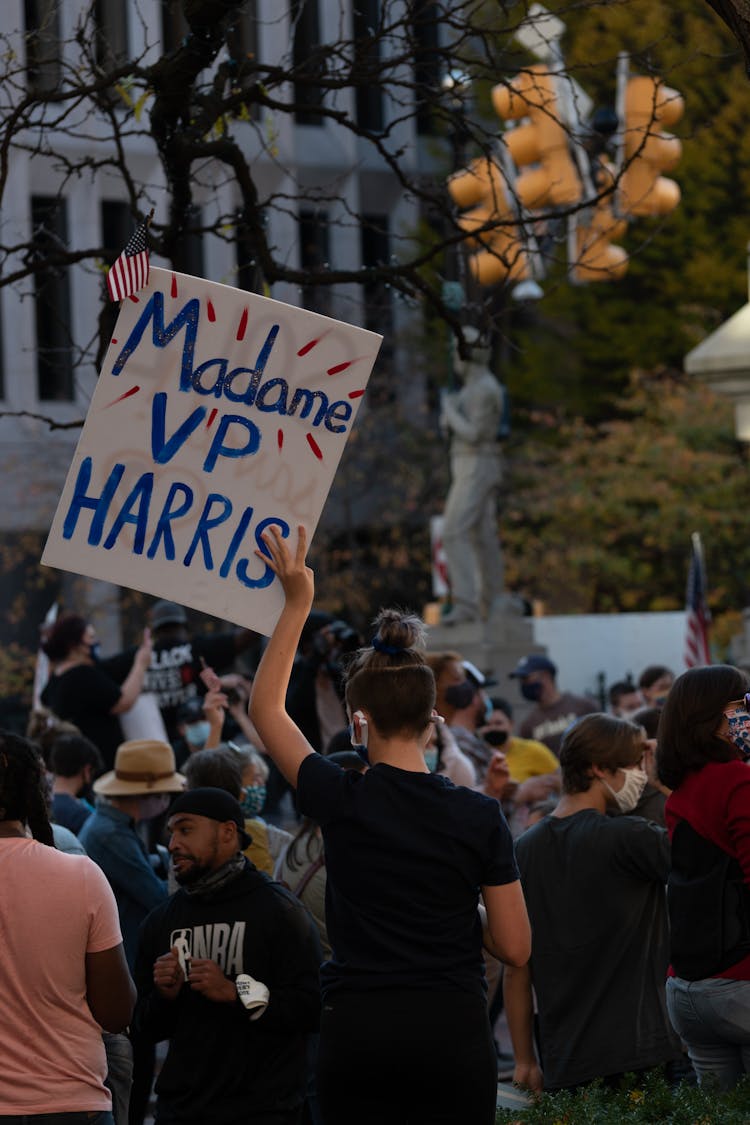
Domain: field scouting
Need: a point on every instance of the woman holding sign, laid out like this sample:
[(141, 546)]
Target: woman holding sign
[(407, 854)]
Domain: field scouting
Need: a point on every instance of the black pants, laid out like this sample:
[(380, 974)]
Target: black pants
[(406, 1058)]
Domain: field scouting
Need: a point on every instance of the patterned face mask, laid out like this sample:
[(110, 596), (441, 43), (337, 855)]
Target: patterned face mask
[(253, 800), (738, 720)]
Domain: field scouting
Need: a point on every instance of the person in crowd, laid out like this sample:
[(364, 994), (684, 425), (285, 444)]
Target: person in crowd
[(553, 710), (526, 758), (178, 656), (241, 771), (85, 694), (443, 756), (461, 702), (63, 972), (74, 762), (200, 721), (654, 684), (44, 727), (594, 885), (407, 853), (227, 973), (137, 790), (624, 699), (654, 797), (704, 741)]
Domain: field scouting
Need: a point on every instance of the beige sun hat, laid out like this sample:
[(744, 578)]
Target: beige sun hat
[(142, 766)]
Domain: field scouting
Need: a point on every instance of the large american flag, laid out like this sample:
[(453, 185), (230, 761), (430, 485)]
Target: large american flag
[(130, 272), (697, 615)]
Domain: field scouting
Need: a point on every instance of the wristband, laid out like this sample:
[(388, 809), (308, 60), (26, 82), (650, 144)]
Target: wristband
[(252, 994)]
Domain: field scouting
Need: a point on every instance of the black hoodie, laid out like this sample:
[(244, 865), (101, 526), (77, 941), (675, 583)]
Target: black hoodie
[(222, 1066)]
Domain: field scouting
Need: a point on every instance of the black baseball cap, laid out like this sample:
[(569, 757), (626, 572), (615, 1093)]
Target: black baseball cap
[(215, 804)]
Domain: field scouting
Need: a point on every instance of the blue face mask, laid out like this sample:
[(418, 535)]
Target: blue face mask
[(95, 651), (431, 759), (197, 733), (253, 800)]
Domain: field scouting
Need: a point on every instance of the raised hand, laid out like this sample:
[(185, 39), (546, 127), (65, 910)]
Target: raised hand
[(296, 578)]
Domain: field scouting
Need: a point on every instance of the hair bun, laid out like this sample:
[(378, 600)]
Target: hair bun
[(400, 630)]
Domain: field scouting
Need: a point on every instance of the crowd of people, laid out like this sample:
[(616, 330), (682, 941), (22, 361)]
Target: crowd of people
[(324, 875)]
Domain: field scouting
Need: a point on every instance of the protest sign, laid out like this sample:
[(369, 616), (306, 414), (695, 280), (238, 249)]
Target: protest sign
[(217, 413)]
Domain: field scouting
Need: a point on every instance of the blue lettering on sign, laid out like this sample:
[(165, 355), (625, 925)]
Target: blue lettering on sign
[(162, 450), (162, 333), (135, 510)]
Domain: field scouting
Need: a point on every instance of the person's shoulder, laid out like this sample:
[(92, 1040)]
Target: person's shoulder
[(583, 703)]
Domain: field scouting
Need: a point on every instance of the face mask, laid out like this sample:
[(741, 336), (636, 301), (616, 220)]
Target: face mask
[(628, 797), (629, 714), (659, 700), (253, 800), (95, 651), (739, 729), (154, 805), (495, 737), (197, 733), (460, 695), (431, 759), (488, 709), (532, 692)]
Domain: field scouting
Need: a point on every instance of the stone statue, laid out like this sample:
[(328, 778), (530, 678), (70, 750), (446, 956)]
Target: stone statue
[(471, 417)]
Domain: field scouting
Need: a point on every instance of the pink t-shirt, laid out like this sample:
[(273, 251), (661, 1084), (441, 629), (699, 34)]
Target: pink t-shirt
[(54, 909)]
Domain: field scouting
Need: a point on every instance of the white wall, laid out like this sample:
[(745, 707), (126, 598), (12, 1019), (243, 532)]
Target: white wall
[(583, 645)]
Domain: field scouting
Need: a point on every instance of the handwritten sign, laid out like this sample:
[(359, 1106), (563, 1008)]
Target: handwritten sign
[(216, 414)]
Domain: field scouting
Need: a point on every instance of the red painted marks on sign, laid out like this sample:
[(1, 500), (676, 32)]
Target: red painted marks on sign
[(134, 299), (132, 391), (314, 446), (173, 290), (340, 367), (308, 347), (242, 326), (355, 394), (211, 312), (211, 417), (113, 340), (280, 439)]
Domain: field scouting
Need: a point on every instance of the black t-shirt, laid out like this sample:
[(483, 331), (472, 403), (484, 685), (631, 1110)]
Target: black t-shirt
[(174, 672), (406, 854), (85, 695), (595, 891)]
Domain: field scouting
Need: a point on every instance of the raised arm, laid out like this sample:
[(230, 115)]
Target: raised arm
[(281, 737), (131, 686)]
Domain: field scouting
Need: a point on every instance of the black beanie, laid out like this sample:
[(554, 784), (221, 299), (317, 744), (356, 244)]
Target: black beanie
[(215, 804)]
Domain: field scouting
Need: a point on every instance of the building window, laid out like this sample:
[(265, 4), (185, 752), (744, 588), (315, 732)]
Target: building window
[(366, 23), (427, 64), (52, 300), (242, 46), (307, 62), (378, 305), (111, 22), (174, 25), (314, 256), (42, 45)]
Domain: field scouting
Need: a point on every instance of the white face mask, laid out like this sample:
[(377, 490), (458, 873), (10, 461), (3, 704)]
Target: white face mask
[(628, 797)]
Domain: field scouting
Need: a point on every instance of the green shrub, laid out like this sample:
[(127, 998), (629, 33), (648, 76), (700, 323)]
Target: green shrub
[(638, 1100)]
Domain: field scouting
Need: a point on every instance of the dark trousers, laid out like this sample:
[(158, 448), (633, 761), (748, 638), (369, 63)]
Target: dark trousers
[(406, 1058)]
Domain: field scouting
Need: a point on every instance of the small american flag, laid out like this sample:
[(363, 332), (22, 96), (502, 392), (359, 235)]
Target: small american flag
[(698, 617), (130, 272)]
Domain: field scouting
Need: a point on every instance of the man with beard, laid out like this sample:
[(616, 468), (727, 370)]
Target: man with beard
[(227, 971)]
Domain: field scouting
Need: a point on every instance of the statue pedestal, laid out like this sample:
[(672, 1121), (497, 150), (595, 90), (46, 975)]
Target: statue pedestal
[(495, 646)]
